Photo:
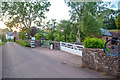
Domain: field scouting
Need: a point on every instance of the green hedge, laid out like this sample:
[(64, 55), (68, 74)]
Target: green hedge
[(94, 43), (23, 43), (2, 43)]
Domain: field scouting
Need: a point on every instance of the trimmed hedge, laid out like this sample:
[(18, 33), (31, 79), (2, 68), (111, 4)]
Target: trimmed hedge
[(94, 43), (23, 43)]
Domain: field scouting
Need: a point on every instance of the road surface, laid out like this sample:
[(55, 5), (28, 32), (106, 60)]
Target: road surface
[(0, 62), (23, 62)]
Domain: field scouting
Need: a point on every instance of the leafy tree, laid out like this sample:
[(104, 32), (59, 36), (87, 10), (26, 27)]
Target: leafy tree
[(65, 26), (59, 32), (90, 16), (79, 13), (33, 31), (117, 21), (56, 36), (3, 37), (9, 25), (26, 12), (4, 30), (109, 17), (51, 26), (91, 27), (22, 35), (39, 36), (50, 36), (73, 32), (100, 20)]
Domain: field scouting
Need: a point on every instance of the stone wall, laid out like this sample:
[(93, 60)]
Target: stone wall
[(56, 45), (37, 42), (96, 59)]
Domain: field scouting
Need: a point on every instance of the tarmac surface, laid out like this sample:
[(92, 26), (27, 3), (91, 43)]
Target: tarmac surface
[(0, 62), (23, 62), (65, 57)]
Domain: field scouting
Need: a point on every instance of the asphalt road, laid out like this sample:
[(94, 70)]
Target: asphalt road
[(0, 62), (23, 62)]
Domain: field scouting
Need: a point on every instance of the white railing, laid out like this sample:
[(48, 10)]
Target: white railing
[(71, 48)]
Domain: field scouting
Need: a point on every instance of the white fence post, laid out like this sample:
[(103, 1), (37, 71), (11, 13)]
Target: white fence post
[(60, 45)]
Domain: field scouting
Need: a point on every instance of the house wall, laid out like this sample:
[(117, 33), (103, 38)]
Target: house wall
[(56, 45), (37, 42), (6, 36), (9, 37), (104, 37)]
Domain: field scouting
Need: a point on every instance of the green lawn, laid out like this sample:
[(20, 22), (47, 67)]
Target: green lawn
[(114, 30)]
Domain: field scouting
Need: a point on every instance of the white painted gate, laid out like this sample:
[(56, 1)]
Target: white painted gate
[(71, 48)]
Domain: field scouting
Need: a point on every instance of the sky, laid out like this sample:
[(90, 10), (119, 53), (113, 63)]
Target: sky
[(2, 25), (59, 11)]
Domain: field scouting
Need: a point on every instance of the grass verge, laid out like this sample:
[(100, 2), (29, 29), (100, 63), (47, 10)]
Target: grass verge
[(23, 43)]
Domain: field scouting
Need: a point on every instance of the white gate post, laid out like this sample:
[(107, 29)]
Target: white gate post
[(60, 45), (74, 48)]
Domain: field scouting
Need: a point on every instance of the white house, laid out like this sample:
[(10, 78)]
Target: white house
[(10, 35)]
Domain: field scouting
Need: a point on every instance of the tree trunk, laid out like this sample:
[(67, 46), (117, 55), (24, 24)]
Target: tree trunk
[(60, 37), (28, 33), (78, 35), (65, 36)]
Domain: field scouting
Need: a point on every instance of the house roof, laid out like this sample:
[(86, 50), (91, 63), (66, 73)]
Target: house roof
[(105, 32), (12, 33)]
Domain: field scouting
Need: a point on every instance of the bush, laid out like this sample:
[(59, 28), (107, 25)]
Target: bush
[(23, 43), (94, 43), (4, 40), (2, 43), (27, 44)]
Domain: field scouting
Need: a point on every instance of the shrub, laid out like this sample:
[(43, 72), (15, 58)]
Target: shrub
[(2, 43), (27, 44), (94, 43), (23, 43), (4, 40)]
